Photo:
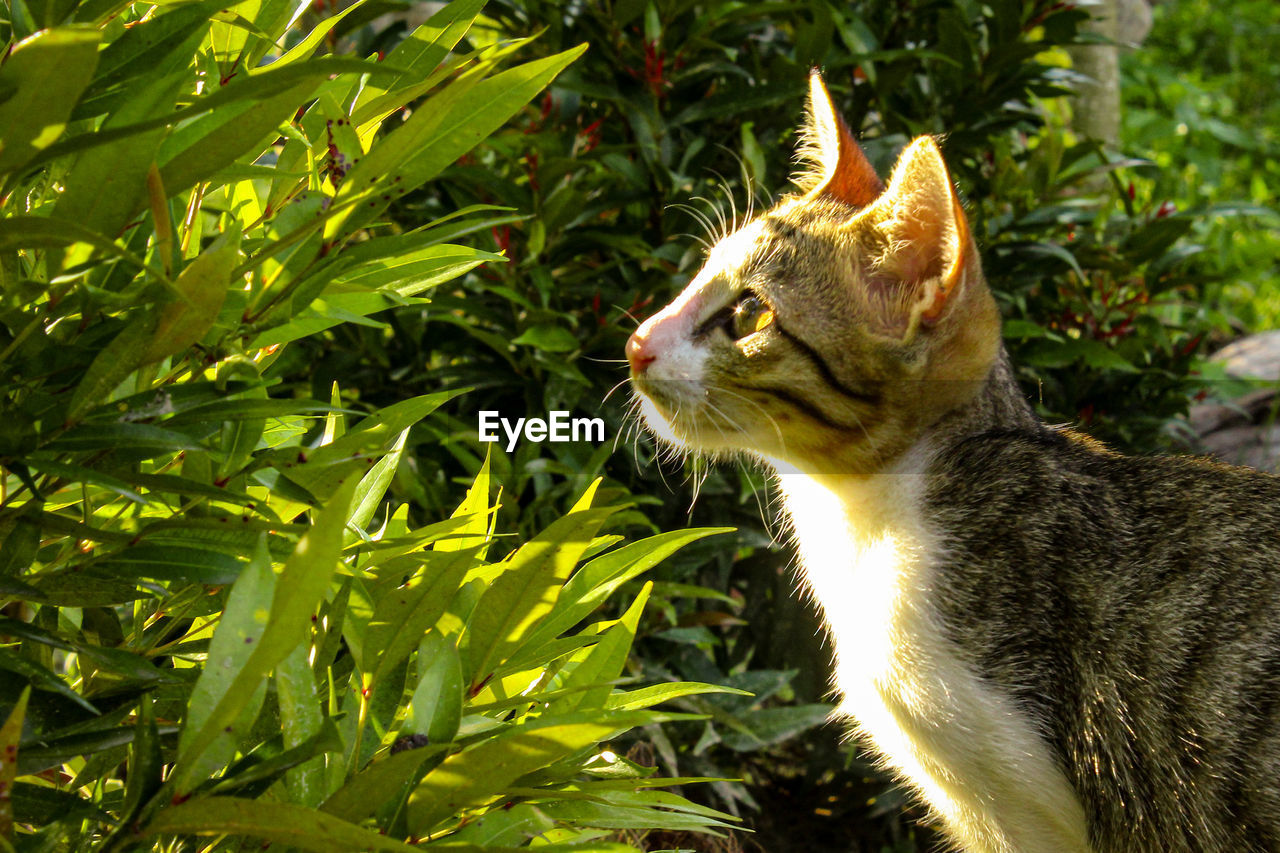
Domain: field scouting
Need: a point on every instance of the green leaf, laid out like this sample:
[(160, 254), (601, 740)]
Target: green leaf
[(36, 759), (143, 48), (76, 474), (22, 232), (647, 697), (145, 765), (423, 49), (111, 366), (604, 662), (111, 660), (298, 589), (475, 776), (307, 46), (221, 707), (412, 272), (436, 707), (527, 590), (765, 726), (596, 581), (172, 563), (475, 531), (1053, 251), (548, 337), (1099, 355), (1019, 329), (373, 486), (137, 438), (45, 75), (379, 783), (300, 719), (39, 805), (40, 677), (201, 290), (255, 770), (107, 185), (404, 613), (439, 132), (20, 546), (611, 815), (262, 85), (330, 463), (10, 734), (225, 135), (276, 822), (84, 588)]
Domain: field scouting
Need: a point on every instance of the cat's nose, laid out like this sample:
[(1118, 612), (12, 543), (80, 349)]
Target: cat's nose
[(639, 353)]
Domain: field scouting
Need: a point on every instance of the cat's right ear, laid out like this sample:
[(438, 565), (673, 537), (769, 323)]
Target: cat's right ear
[(838, 169)]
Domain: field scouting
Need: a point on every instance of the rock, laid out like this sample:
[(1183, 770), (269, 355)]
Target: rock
[(1253, 357), (1246, 430)]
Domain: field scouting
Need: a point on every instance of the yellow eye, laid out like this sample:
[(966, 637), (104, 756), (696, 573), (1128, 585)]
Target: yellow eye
[(750, 315)]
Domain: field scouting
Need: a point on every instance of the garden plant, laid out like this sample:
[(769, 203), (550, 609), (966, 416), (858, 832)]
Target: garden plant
[(214, 625)]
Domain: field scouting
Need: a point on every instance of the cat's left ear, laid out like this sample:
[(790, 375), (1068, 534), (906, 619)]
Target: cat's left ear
[(838, 169), (923, 234)]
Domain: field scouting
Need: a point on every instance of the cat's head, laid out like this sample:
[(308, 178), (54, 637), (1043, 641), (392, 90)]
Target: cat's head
[(833, 330)]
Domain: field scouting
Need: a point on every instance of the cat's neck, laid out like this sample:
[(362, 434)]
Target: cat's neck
[(999, 406)]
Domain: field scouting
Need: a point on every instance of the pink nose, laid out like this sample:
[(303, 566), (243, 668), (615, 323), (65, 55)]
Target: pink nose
[(638, 352)]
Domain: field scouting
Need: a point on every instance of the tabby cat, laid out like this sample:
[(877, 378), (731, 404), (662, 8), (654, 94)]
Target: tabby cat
[(1059, 648)]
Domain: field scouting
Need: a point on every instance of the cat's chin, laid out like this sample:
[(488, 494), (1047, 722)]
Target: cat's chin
[(673, 430)]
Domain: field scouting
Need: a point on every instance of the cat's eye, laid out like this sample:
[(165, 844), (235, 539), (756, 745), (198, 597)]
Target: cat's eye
[(750, 314)]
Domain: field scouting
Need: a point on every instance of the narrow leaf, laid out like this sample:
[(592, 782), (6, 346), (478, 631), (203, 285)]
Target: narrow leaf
[(201, 289), (45, 74), (477, 775), (436, 707), (298, 589), (280, 823), (10, 734), (527, 589), (221, 709)]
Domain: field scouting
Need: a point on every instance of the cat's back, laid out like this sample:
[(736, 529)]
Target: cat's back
[(1064, 497), (1133, 606)]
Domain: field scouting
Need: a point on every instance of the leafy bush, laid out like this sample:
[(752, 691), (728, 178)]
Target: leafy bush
[(211, 626), (1200, 100)]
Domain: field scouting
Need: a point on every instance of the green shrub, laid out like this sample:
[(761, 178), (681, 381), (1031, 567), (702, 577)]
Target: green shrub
[(1200, 100), (213, 624)]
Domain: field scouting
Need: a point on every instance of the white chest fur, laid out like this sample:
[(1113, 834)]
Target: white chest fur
[(869, 556)]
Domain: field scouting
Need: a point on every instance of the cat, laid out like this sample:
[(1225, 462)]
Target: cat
[(1057, 647)]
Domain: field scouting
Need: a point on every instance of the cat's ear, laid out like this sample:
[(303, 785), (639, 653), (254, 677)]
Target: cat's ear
[(923, 236), (837, 168)]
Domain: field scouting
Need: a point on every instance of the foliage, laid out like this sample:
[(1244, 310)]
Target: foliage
[(675, 122), (211, 626), (1201, 101)]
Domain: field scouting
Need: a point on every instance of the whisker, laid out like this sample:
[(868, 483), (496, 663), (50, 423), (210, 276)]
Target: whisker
[(724, 225), (627, 314), (622, 382), (699, 217), (764, 506), (695, 237)]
